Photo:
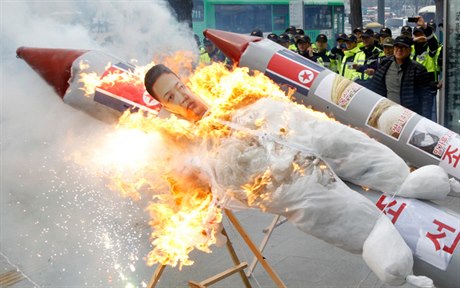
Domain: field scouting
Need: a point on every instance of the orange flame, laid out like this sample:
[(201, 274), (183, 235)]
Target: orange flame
[(183, 217), (256, 192), (92, 80), (182, 210), (182, 221), (181, 62), (226, 91)]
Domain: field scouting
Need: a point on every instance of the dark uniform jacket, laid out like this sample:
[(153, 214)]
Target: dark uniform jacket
[(415, 90)]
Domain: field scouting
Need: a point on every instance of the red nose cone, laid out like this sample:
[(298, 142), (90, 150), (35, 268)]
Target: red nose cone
[(53, 65), (231, 44)]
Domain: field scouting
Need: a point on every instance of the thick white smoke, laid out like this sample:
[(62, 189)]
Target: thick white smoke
[(60, 225)]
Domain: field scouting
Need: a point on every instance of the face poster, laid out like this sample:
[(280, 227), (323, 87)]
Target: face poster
[(337, 90), (389, 118), (436, 141)]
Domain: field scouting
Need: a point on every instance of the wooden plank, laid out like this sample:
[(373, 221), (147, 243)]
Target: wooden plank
[(235, 259), (193, 284), (7, 275), (264, 242), (156, 276), (254, 249), (10, 278), (216, 278)]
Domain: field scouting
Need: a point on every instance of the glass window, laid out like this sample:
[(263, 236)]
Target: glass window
[(280, 9), (318, 17), (394, 22), (243, 18), (280, 15), (339, 19), (279, 22), (452, 61), (198, 10)]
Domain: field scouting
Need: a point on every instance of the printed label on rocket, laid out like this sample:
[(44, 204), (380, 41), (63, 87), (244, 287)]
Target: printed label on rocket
[(389, 117), (432, 235), (337, 90), (438, 142), (450, 145)]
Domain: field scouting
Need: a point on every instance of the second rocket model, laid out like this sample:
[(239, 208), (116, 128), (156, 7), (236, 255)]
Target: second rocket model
[(414, 138)]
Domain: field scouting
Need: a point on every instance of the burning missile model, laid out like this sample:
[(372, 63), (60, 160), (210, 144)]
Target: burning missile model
[(431, 231), (123, 89)]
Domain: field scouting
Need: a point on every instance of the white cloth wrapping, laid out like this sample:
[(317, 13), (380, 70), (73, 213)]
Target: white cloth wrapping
[(289, 157), (313, 199), (352, 155)]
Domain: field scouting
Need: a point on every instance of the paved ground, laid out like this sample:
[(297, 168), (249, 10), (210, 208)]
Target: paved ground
[(75, 247)]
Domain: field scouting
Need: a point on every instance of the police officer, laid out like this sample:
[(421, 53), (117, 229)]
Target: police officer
[(304, 47), (337, 53), (298, 33), (425, 49), (272, 36), (358, 31), (385, 55), (322, 54), (285, 41), (438, 57), (406, 31), (346, 68), (388, 47), (366, 57), (290, 31), (257, 32), (211, 53), (377, 41), (384, 33)]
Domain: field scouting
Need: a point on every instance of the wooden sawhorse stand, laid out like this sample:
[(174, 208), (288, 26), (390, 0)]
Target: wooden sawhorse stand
[(239, 266), (277, 221)]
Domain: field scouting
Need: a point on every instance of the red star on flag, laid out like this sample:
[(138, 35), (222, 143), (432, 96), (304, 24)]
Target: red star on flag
[(306, 76)]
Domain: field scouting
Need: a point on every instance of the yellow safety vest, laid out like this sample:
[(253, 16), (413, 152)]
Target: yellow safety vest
[(429, 62), (360, 59), (292, 47), (331, 65), (205, 59), (347, 62)]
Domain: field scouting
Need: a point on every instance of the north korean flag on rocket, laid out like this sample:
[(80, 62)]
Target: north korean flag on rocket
[(124, 95), (290, 68)]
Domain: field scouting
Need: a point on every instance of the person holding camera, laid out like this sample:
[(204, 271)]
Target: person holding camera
[(425, 51)]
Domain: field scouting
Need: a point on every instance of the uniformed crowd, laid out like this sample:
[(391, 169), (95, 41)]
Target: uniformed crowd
[(405, 69)]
